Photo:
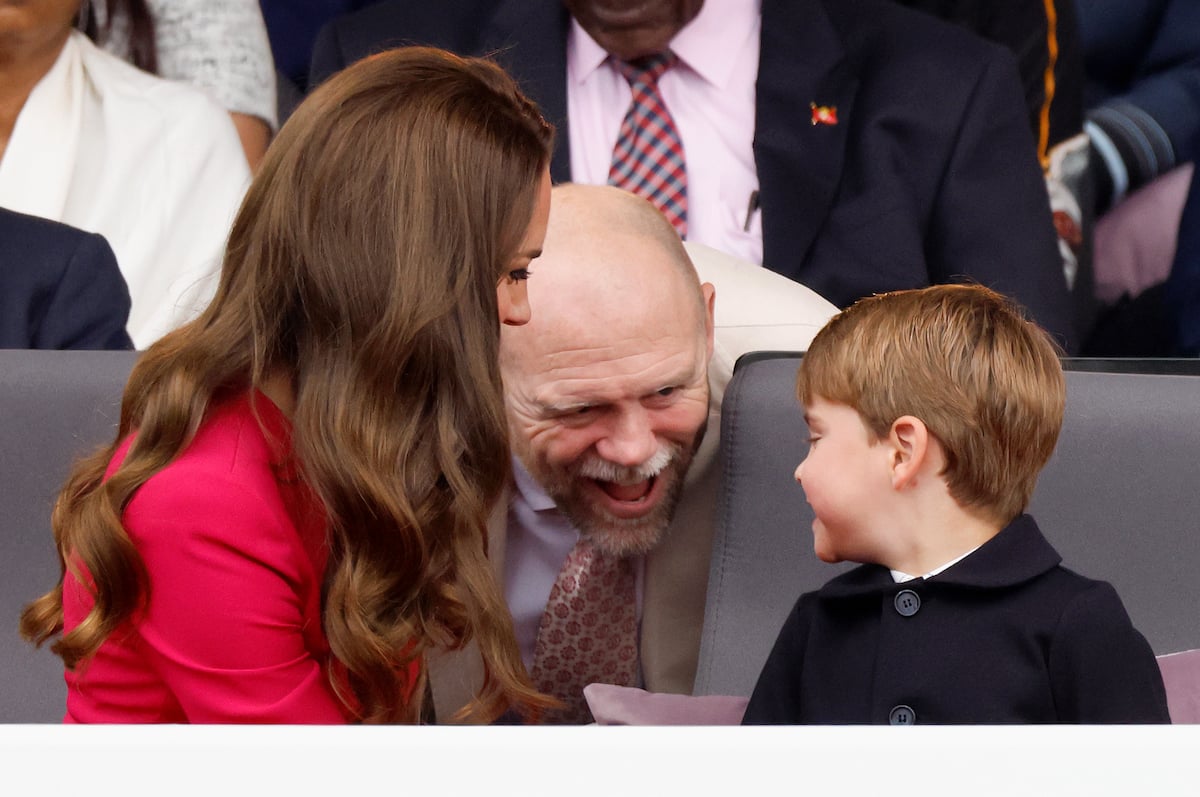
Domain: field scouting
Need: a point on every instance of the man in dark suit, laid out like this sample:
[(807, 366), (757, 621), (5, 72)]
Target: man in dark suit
[(60, 287), (890, 150)]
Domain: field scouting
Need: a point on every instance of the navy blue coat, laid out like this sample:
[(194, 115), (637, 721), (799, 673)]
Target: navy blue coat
[(1007, 635), (60, 287), (929, 176)]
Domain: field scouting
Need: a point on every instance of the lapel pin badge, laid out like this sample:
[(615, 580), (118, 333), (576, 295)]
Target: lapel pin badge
[(823, 114)]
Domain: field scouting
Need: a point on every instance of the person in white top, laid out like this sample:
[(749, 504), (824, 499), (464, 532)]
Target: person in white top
[(219, 46), (154, 166)]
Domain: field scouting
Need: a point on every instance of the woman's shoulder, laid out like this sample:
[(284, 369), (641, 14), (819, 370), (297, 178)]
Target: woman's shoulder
[(156, 103), (233, 461), (230, 495)]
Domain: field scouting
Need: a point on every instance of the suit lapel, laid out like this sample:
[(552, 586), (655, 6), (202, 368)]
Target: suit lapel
[(456, 676), (529, 38), (799, 163)]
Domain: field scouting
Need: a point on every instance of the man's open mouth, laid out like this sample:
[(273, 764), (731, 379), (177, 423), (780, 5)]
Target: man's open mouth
[(628, 493)]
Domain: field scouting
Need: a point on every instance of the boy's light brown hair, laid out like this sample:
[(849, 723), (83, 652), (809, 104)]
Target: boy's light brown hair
[(986, 382)]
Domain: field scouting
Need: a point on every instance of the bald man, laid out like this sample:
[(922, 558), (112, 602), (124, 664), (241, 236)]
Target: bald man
[(613, 392)]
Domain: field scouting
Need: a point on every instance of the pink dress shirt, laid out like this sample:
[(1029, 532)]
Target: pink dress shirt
[(710, 95)]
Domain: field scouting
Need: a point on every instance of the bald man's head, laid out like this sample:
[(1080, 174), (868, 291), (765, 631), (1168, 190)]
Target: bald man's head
[(606, 386), (607, 253)]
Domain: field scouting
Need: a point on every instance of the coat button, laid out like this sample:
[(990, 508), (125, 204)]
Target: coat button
[(902, 715), (907, 603)]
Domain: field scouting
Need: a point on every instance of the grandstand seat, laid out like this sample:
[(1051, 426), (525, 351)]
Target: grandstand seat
[(54, 406)]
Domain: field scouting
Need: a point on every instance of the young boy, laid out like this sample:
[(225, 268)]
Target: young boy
[(931, 413)]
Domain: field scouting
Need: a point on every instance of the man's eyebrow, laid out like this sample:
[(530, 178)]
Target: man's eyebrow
[(562, 408)]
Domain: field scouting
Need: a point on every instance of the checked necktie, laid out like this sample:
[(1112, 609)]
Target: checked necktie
[(588, 633), (648, 159)]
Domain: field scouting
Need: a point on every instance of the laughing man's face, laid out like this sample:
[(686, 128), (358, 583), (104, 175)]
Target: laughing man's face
[(608, 425)]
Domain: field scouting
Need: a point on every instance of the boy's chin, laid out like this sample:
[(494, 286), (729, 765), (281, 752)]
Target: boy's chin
[(821, 546), (828, 557), (824, 552)]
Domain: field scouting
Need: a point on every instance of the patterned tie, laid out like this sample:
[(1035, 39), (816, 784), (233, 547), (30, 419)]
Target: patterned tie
[(648, 159), (588, 633)]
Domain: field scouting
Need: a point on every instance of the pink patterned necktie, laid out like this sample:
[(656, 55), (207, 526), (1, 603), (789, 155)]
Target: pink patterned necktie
[(588, 633), (648, 159)]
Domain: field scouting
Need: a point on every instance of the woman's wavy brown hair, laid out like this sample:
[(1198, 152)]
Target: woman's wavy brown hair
[(363, 265)]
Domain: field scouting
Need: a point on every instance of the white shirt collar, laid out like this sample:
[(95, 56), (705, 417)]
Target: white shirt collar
[(900, 577)]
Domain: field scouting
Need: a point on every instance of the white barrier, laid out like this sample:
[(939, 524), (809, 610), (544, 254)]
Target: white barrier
[(220, 761)]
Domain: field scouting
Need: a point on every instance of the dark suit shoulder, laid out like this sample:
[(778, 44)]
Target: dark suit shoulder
[(908, 43), (21, 233), (453, 25), (60, 287)]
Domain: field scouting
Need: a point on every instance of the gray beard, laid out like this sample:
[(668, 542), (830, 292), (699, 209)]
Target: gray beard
[(617, 536), (628, 536)]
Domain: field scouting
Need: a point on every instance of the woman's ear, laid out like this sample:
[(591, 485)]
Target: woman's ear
[(908, 450)]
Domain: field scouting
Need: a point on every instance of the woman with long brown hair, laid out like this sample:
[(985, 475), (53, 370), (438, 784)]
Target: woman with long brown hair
[(292, 514)]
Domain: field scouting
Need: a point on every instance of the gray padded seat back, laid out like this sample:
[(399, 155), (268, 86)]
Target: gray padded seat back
[(1119, 499), (54, 406), (762, 548)]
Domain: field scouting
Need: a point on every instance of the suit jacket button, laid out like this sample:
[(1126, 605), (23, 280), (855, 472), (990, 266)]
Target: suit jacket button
[(902, 715), (907, 603)]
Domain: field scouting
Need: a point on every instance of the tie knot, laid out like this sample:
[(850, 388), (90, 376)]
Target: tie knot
[(649, 69)]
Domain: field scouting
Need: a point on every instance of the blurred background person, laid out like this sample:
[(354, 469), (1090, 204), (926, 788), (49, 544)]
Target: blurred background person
[(292, 26), (854, 147), (60, 287), (1044, 36), (1142, 61), (293, 513), (220, 46), (154, 166)]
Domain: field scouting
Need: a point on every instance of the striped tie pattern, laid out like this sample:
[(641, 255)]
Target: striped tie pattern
[(648, 159)]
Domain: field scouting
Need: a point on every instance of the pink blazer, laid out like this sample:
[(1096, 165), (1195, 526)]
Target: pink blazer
[(234, 545)]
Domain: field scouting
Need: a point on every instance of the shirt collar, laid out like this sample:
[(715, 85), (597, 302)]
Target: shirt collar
[(531, 492), (584, 56), (1018, 553), (709, 45), (899, 576)]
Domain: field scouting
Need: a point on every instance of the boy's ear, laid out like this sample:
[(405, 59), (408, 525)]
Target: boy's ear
[(908, 450)]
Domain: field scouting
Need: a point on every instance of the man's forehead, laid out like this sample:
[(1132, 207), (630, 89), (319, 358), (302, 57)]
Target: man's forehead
[(613, 370), (583, 259), (606, 306)]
